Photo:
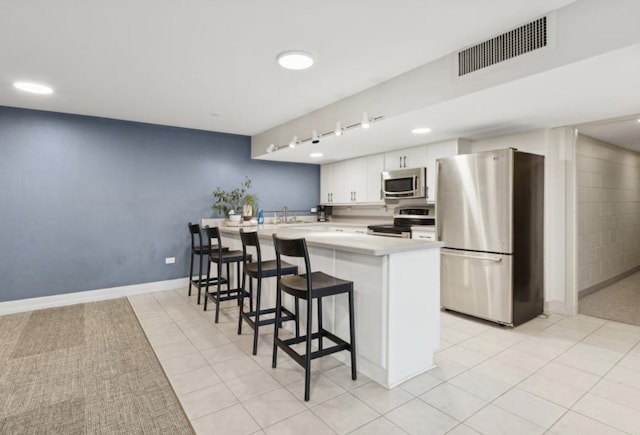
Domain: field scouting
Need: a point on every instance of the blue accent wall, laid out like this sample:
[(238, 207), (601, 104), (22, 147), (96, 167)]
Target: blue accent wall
[(90, 203)]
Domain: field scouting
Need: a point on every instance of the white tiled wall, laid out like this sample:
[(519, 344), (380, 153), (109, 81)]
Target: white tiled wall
[(608, 184)]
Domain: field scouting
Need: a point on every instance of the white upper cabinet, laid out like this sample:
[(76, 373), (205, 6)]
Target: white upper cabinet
[(326, 183), (415, 157), (358, 181), (354, 181), (375, 166)]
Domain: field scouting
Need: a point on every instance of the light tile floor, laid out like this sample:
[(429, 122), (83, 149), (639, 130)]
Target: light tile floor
[(556, 375)]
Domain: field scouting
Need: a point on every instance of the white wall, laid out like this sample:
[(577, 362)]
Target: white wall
[(608, 183), (555, 145)]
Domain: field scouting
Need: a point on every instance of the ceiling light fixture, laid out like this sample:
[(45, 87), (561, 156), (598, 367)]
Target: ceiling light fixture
[(421, 130), (317, 136), (34, 88), (365, 121), (315, 155), (295, 60)]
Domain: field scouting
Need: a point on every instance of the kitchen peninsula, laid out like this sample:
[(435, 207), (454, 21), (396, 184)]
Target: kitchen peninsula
[(397, 294)]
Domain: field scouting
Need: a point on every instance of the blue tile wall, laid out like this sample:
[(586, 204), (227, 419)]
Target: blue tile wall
[(89, 203)]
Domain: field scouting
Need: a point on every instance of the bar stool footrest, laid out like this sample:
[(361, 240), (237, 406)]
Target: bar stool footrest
[(250, 315), (226, 295), (202, 283), (285, 345)]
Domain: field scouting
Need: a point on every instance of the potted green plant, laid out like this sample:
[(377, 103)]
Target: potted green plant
[(229, 203), (250, 202)]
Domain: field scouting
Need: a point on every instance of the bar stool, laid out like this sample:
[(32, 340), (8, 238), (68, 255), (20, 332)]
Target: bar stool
[(201, 250), (309, 286), (220, 256), (258, 270)]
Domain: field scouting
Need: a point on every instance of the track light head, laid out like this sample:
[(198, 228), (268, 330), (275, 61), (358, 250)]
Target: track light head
[(314, 137), (338, 129), (365, 121), (293, 142)]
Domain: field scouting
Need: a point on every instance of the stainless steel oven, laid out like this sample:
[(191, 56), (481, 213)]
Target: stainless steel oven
[(404, 184)]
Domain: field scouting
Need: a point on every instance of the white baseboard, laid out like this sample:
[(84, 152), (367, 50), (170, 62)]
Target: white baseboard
[(558, 307), (22, 305)]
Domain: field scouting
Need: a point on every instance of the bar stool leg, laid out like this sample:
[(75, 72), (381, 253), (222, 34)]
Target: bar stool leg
[(307, 358), (257, 318), (191, 274), (276, 325), (297, 312), (217, 296), (244, 279), (206, 289), (199, 279), (320, 323), (251, 295), (238, 278), (352, 332)]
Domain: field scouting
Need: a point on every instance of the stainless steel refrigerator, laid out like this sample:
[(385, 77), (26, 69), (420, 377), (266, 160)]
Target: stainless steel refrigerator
[(490, 216)]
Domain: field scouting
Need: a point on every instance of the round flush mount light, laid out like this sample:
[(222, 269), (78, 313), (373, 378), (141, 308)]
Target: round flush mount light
[(421, 130), (34, 88), (315, 155), (295, 60)]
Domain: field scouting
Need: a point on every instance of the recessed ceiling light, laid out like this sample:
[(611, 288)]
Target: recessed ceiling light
[(296, 60), (315, 155), (421, 130), (34, 88)]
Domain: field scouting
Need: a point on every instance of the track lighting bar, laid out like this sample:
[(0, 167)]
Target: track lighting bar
[(338, 131)]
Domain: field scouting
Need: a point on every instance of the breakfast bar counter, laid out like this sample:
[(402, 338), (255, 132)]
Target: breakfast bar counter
[(396, 292)]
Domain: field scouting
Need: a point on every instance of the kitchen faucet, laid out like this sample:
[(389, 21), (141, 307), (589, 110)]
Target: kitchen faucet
[(284, 211)]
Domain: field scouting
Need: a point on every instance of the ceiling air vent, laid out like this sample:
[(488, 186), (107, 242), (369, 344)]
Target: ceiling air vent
[(521, 40)]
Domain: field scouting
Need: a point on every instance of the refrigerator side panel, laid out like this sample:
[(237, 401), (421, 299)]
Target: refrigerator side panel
[(475, 201), (528, 241), (478, 284)]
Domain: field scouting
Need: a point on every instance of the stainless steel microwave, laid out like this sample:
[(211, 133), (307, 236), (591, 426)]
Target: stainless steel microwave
[(404, 183)]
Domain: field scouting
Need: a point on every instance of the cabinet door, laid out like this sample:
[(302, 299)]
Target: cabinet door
[(325, 183), (375, 166), (339, 180), (355, 175), (393, 160), (416, 157), (406, 158)]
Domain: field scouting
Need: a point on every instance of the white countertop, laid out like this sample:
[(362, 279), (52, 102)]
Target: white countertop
[(328, 235)]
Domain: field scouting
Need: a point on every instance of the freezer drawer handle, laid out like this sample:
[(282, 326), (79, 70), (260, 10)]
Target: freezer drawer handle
[(475, 257)]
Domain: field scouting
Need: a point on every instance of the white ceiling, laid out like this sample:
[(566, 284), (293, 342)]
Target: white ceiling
[(210, 65)]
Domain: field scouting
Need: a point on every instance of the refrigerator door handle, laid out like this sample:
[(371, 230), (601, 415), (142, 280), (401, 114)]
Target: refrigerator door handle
[(475, 257)]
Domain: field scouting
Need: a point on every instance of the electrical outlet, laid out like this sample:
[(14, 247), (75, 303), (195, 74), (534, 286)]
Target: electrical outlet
[(170, 260), (314, 210)]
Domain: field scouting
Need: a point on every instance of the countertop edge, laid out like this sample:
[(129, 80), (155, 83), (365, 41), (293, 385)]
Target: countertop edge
[(403, 245)]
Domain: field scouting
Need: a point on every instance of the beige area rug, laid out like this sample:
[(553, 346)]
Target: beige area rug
[(619, 301), (83, 369)]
